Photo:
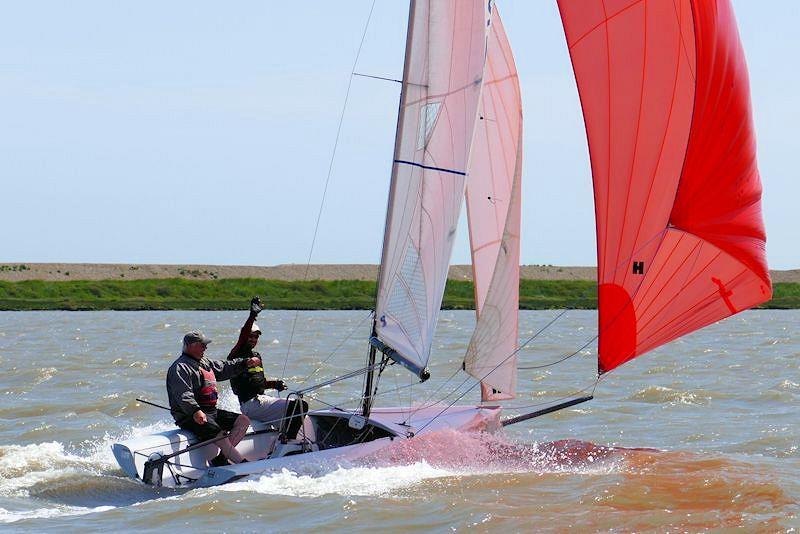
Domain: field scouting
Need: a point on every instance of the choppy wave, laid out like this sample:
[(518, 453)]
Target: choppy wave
[(74, 482), (437, 455), (10, 516), (347, 481), (729, 419), (661, 394)]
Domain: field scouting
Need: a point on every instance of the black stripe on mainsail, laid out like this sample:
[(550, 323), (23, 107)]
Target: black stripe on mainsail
[(421, 166)]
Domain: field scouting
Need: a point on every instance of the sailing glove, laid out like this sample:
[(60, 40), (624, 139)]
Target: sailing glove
[(276, 384), (255, 306)]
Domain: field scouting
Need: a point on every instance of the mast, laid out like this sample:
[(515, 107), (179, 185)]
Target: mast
[(442, 80), (367, 400)]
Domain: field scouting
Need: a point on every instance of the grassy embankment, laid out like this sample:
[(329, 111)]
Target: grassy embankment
[(233, 294)]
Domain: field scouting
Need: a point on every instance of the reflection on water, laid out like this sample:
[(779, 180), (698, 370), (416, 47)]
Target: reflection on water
[(701, 434)]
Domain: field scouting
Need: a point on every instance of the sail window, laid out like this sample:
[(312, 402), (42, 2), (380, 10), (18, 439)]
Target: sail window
[(427, 120)]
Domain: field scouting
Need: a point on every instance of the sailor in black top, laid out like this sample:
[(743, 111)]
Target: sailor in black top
[(251, 385)]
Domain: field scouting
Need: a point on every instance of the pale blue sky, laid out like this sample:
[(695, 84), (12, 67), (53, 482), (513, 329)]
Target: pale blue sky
[(201, 132)]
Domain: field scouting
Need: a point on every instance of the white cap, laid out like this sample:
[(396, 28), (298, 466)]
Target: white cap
[(255, 328)]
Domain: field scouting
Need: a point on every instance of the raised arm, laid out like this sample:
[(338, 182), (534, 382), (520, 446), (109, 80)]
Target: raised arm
[(255, 308)]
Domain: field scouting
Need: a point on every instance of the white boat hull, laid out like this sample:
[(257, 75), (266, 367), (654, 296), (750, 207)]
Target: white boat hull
[(324, 429)]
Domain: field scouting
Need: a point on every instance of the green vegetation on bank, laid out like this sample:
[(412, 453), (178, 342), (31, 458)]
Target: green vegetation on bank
[(233, 294)]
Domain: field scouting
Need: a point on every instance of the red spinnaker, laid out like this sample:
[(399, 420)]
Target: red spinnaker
[(666, 103)]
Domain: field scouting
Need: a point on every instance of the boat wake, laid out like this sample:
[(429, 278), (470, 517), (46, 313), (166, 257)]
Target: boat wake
[(495, 453), (61, 482), (47, 480), (436, 455)]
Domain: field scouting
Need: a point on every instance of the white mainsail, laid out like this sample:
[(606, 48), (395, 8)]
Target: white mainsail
[(442, 79), (493, 208)]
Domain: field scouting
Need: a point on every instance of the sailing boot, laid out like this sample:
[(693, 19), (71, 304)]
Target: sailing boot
[(218, 461)]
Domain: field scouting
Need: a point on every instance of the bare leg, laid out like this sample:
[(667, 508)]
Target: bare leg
[(239, 429), (228, 446), (229, 451)]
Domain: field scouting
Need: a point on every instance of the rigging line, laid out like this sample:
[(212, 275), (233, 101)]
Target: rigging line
[(398, 388), (567, 357), (399, 398), (377, 77), (429, 397), (335, 350), (467, 379), (592, 386), (362, 397), (328, 177), (317, 399), (349, 374), (333, 427), (388, 79), (384, 362), (498, 366)]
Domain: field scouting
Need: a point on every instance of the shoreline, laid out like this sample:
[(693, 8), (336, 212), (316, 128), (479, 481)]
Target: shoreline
[(235, 293), (52, 272)]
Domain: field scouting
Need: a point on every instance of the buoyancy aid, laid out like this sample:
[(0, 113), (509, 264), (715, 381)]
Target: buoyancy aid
[(207, 395), (250, 383)]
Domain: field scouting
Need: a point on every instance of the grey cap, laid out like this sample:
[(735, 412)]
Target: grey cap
[(195, 337)]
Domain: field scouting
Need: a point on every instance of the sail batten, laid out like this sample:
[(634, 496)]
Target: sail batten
[(665, 96)]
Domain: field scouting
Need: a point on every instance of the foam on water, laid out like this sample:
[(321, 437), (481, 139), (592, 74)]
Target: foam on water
[(436, 455), (727, 421), (470, 453), (347, 481), (49, 471), (26, 470), (8, 516), (661, 395)]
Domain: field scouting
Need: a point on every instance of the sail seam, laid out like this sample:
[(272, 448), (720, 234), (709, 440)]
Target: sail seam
[(678, 16), (694, 110), (604, 21), (661, 151), (688, 279), (601, 268), (695, 250), (657, 276), (638, 289), (691, 318), (635, 148), (488, 244)]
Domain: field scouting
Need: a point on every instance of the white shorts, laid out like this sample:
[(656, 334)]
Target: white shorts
[(265, 408)]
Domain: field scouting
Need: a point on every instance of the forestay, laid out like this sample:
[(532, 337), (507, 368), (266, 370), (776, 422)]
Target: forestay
[(666, 102), (442, 78), (493, 209)]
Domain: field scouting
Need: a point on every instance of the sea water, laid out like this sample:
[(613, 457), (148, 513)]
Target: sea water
[(700, 434)]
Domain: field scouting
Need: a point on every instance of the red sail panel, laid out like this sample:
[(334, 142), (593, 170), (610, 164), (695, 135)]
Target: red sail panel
[(719, 198), (680, 239)]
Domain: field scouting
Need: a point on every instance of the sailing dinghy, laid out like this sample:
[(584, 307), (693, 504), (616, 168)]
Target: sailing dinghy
[(680, 238), (450, 46)]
